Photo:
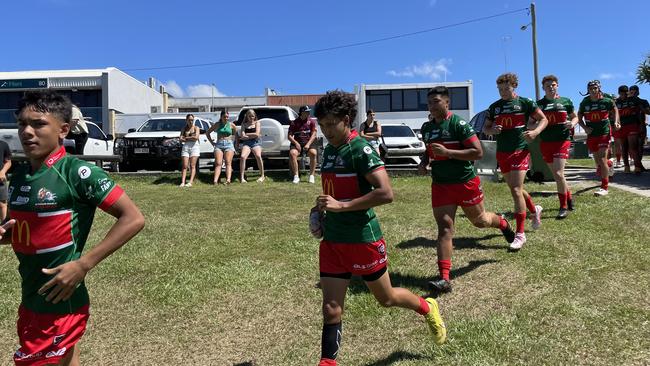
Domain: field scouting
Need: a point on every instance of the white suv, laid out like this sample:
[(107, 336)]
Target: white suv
[(400, 145), (274, 125), (157, 141)]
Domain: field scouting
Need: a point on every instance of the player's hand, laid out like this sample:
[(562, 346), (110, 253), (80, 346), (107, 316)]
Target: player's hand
[(589, 130), (530, 135), (496, 129), (66, 279), (326, 202), (617, 126), (7, 225), (439, 149)]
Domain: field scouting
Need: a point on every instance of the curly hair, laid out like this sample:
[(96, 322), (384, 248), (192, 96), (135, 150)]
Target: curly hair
[(510, 78), (46, 101), (336, 103), (551, 78)]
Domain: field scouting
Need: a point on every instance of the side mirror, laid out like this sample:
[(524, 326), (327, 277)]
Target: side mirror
[(109, 137), (131, 130)]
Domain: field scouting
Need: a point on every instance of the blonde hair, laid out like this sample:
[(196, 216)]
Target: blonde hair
[(510, 78)]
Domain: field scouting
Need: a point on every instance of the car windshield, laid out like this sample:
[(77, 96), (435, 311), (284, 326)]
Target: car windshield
[(8, 126), (279, 115), (397, 131), (154, 125)]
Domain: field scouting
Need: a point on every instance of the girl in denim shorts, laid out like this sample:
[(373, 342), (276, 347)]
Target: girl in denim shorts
[(249, 140), (224, 147)]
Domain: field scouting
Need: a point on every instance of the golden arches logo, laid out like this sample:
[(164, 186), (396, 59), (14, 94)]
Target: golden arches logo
[(21, 231), (551, 118), (328, 186), (506, 122), (595, 117)]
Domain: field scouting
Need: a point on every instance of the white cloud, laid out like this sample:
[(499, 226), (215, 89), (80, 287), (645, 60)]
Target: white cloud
[(174, 89), (203, 90), (609, 76), (197, 90), (434, 70)]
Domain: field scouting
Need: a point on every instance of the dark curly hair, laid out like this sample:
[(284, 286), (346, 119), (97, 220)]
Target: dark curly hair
[(336, 103), (46, 101)]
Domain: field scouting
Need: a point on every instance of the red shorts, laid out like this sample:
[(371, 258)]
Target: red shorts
[(595, 143), (465, 194), (555, 149), (627, 130), (46, 338), (355, 258), (617, 134), (515, 160)]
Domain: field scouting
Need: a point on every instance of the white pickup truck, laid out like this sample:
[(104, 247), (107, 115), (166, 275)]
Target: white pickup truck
[(98, 144)]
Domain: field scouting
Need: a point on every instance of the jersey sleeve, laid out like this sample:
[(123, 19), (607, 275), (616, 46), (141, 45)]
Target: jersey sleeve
[(581, 108), (94, 186), (569, 106), (465, 132), (366, 159)]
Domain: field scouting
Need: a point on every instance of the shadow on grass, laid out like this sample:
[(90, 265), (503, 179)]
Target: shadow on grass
[(459, 243), (398, 356), (247, 363), (542, 193), (174, 178), (586, 189)]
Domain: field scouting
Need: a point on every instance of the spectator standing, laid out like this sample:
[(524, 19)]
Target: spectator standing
[(191, 151)]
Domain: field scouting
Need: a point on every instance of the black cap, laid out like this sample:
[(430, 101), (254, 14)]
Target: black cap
[(304, 108)]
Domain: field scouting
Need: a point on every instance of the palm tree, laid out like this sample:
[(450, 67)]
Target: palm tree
[(643, 71)]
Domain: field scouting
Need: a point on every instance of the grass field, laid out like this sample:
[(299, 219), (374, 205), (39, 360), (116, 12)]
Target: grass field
[(226, 276)]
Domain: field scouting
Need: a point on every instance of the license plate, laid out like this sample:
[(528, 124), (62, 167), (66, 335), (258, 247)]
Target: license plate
[(141, 150)]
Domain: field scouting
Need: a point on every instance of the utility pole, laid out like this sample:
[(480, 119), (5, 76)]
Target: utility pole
[(533, 23)]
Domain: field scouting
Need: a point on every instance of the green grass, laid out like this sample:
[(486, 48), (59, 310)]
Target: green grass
[(585, 163), (225, 276)]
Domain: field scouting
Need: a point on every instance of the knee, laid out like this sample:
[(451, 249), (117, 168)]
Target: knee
[(481, 221), (446, 232), (293, 153), (385, 301), (332, 312)]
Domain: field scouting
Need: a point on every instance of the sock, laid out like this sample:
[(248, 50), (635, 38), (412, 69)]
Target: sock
[(424, 307), (530, 205), (330, 343), (618, 157), (521, 219), (568, 195), (503, 223), (563, 199), (604, 183), (327, 362), (444, 266)]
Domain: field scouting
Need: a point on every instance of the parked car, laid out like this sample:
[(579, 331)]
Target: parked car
[(157, 143), (400, 145), (274, 124)]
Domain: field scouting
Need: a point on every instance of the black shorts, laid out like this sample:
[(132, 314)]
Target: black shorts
[(3, 191)]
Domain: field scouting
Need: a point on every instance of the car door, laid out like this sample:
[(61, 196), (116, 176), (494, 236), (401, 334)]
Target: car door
[(204, 144), (97, 143)]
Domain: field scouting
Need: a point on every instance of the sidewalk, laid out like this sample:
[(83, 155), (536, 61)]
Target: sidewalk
[(639, 184)]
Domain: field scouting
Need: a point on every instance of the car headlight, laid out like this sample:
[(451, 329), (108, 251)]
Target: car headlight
[(171, 142), (417, 144), (119, 143)]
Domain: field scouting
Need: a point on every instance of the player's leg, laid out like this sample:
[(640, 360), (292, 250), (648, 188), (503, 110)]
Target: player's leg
[(515, 181), (444, 216), (218, 161), (228, 155), (601, 159), (293, 164), (245, 151), (484, 219), (557, 168), (389, 296), (334, 290), (633, 142), (257, 152), (313, 153), (72, 357)]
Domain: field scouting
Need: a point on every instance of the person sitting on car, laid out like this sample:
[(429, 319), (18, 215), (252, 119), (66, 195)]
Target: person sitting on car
[(302, 133), (249, 139), (191, 150), (224, 147), (370, 130), (78, 130)]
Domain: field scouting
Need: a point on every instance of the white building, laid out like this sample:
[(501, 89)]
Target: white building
[(99, 93)]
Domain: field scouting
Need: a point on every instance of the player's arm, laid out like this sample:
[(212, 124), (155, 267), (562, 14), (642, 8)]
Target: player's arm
[(382, 194), (614, 112), (489, 128), (68, 275), (540, 123), (573, 120), (5, 231), (312, 137), (472, 150)]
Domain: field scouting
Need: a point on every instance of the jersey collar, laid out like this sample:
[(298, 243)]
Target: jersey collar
[(54, 157), (352, 135)]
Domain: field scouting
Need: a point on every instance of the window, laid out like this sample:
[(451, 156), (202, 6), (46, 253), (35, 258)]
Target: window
[(94, 132), (378, 100), (410, 100), (458, 98), (397, 131), (396, 103), (280, 115)]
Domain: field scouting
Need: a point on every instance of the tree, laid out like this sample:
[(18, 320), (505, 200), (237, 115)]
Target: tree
[(643, 71)]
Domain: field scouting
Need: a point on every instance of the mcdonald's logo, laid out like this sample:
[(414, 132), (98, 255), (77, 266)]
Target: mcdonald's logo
[(551, 118), (20, 231), (328, 186), (506, 122), (595, 117)]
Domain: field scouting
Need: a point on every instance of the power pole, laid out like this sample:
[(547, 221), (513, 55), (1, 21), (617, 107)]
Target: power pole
[(534, 33)]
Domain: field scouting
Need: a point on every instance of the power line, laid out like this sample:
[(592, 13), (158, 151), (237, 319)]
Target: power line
[(349, 45)]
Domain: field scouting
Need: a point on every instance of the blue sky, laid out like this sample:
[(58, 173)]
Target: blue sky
[(577, 40)]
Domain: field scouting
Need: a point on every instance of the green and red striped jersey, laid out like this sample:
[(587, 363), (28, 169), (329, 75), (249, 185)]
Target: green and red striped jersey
[(556, 111), (54, 209), (596, 114), (454, 134), (512, 115), (343, 174), (628, 110)]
